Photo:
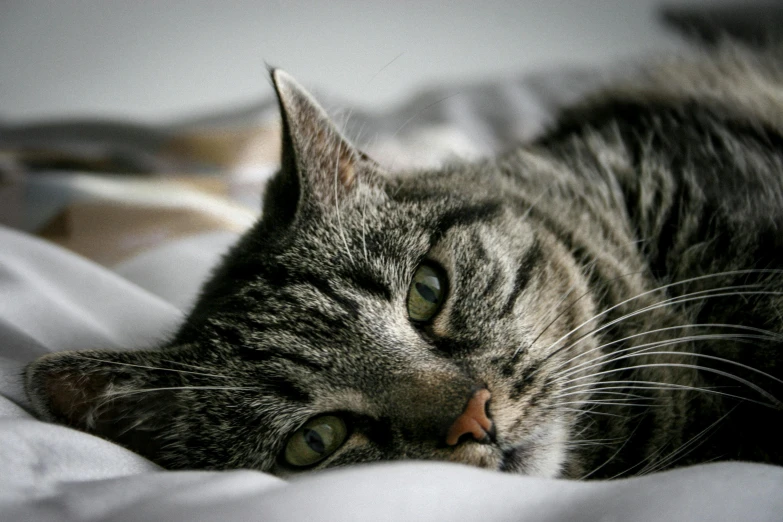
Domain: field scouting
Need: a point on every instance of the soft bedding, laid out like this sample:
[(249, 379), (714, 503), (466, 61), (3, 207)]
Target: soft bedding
[(90, 260)]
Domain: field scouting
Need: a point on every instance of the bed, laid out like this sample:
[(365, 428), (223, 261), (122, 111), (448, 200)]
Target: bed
[(107, 231)]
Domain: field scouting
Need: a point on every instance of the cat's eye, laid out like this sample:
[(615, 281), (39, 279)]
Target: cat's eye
[(426, 293), (316, 440)]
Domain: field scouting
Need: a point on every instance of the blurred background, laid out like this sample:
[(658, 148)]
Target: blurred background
[(153, 60), (140, 133)]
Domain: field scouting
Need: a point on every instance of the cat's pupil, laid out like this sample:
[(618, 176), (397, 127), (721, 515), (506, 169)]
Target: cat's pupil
[(314, 440), (427, 293)]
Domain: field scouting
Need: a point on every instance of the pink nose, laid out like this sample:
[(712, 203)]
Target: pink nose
[(473, 420)]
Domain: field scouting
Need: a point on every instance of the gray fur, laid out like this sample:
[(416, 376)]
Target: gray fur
[(599, 280)]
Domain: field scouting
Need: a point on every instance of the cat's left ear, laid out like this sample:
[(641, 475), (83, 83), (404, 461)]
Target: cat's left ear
[(318, 165)]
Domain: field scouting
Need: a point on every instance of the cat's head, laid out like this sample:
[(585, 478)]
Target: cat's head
[(366, 317)]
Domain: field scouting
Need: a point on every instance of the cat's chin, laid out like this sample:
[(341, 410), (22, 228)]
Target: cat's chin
[(542, 454), (527, 460), (480, 455)]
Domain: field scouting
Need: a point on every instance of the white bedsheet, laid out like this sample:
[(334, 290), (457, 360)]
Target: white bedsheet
[(51, 299)]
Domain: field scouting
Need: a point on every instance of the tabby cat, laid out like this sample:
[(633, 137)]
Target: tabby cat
[(605, 301)]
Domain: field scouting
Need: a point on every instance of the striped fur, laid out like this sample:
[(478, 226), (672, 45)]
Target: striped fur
[(616, 286)]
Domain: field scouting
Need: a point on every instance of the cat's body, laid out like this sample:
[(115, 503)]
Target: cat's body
[(599, 303)]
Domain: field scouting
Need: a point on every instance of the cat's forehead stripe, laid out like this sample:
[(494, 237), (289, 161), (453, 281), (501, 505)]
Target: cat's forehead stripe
[(359, 275), (326, 288), (277, 354), (285, 388), (522, 276), (364, 280), (467, 215)]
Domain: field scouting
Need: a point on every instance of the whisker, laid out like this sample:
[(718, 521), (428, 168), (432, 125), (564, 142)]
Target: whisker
[(654, 385), (122, 393), (589, 443), (601, 402), (646, 347), (118, 363), (576, 301), (602, 391), (364, 226), (337, 199), (671, 285), (687, 354), (582, 412), (420, 111), (776, 403), (661, 387), (203, 369), (677, 454), (385, 66), (703, 294), (771, 335), (612, 456)]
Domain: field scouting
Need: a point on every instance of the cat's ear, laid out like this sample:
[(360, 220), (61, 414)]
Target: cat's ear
[(318, 165), (121, 396)]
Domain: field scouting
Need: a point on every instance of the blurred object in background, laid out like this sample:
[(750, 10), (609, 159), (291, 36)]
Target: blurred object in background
[(153, 61), (124, 175), (110, 190)]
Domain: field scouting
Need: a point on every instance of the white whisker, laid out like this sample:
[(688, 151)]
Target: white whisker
[(420, 111), (653, 385), (612, 456), (582, 296), (337, 198), (195, 367), (118, 363), (695, 296), (582, 412), (601, 402), (122, 393), (677, 454), (664, 287), (776, 403), (385, 66), (769, 334), (646, 347)]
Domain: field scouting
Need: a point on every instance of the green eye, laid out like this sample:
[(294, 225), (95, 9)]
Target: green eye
[(316, 440), (426, 293)]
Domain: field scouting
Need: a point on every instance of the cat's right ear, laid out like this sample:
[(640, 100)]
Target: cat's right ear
[(318, 165), (126, 397)]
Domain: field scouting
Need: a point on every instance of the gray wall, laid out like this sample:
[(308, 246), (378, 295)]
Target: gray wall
[(155, 59)]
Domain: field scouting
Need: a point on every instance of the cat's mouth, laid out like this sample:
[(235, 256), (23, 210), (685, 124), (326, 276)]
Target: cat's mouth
[(540, 454), (479, 455), (513, 459), (490, 456)]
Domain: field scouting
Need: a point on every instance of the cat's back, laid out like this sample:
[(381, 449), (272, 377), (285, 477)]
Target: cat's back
[(746, 82), (693, 145)]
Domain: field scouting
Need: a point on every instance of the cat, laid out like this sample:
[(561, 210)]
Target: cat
[(602, 302)]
